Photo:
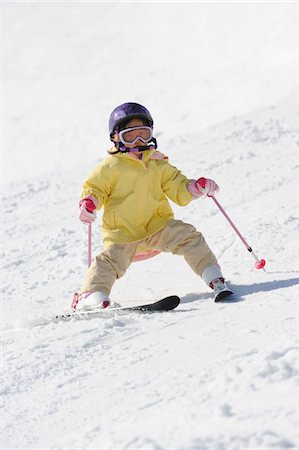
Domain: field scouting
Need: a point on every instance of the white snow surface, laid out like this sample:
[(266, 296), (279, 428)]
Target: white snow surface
[(221, 80)]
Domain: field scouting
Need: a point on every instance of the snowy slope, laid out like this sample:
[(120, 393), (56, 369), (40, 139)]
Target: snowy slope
[(68, 64), (205, 376)]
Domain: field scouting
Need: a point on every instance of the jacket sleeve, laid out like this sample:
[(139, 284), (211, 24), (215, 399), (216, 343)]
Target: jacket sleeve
[(174, 185), (97, 184)]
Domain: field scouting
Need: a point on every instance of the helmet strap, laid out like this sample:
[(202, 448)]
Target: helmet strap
[(121, 148)]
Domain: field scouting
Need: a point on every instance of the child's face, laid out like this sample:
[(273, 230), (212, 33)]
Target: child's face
[(131, 124)]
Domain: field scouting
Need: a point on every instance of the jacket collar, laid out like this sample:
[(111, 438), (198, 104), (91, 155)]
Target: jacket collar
[(148, 154)]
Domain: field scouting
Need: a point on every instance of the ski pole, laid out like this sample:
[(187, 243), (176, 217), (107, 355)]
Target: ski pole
[(89, 244), (260, 263)]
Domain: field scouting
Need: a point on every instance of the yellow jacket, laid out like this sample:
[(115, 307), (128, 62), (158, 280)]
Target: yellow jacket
[(134, 194)]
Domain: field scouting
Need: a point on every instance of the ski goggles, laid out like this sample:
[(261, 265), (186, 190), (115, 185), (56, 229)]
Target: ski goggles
[(130, 136)]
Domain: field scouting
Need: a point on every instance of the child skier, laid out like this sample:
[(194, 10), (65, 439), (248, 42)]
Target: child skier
[(133, 185)]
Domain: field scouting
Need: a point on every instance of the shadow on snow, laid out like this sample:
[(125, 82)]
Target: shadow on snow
[(243, 290)]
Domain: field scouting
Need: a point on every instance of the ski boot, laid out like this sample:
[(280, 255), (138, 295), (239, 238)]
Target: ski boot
[(221, 291), (90, 300)]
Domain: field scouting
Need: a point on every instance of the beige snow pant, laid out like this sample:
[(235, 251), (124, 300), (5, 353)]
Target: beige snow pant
[(176, 237)]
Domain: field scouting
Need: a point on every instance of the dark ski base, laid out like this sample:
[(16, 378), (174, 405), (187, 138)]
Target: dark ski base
[(222, 296), (166, 304)]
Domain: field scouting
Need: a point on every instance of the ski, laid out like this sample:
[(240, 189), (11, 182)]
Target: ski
[(223, 295), (165, 304)]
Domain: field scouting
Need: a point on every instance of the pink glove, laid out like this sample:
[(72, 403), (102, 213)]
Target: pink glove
[(203, 187), (87, 209)]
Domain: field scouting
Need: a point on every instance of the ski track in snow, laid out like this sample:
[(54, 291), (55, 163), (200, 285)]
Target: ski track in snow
[(205, 376)]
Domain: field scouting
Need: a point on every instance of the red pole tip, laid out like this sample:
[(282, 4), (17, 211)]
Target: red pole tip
[(260, 264)]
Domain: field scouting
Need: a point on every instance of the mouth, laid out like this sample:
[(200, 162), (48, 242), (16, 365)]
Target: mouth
[(138, 143)]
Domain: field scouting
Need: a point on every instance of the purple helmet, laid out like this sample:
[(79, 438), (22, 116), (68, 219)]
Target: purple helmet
[(126, 112)]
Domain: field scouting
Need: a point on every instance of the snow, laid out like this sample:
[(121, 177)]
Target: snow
[(221, 80)]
